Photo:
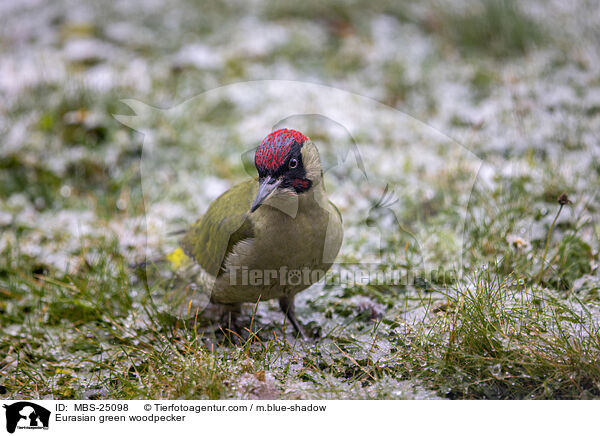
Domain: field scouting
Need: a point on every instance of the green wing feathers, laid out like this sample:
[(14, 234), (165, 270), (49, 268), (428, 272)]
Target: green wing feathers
[(225, 223)]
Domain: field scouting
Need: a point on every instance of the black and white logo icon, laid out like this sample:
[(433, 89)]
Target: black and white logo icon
[(26, 415)]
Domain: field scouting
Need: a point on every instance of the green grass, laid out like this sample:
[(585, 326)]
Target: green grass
[(78, 322), (76, 337), (103, 332), (497, 28), (498, 338)]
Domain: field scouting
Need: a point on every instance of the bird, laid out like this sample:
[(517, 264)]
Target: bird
[(269, 237)]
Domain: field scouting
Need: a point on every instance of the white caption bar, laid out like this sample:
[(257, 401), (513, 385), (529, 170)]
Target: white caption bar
[(45, 417)]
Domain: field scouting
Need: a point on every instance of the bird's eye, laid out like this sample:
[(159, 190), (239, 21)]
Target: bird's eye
[(293, 163)]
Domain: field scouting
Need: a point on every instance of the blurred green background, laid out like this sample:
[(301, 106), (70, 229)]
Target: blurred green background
[(516, 83)]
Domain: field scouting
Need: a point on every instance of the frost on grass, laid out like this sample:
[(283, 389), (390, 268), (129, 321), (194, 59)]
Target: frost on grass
[(482, 141)]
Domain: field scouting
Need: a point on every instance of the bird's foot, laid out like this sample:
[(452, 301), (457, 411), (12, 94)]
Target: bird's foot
[(287, 307)]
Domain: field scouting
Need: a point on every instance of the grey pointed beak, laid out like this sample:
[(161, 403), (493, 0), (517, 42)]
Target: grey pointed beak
[(265, 188)]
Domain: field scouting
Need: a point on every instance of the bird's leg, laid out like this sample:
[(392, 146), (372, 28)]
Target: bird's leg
[(287, 307), (230, 317)]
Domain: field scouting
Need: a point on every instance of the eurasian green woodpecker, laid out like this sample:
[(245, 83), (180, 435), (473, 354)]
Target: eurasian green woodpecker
[(270, 238)]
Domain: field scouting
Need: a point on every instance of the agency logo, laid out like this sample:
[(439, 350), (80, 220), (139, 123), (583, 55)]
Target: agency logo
[(26, 415)]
